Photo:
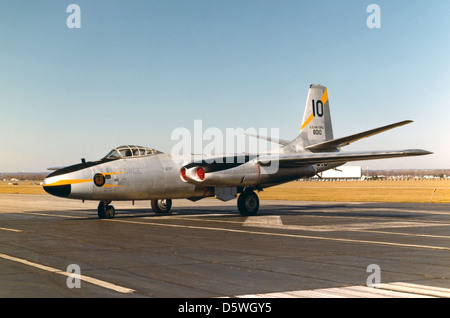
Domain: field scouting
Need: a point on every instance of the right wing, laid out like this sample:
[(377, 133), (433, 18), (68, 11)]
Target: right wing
[(299, 159), (344, 141)]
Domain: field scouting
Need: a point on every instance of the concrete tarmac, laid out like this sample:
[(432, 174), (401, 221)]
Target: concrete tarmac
[(206, 249)]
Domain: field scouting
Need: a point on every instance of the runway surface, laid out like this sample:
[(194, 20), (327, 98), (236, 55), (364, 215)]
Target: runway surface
[(206, 249)]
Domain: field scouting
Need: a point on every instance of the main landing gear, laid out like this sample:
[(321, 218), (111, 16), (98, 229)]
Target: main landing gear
[(248, 203), (161, 206)]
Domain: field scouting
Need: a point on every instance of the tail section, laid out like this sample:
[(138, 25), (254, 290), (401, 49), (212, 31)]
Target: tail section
[(316, 125), (316, 132)]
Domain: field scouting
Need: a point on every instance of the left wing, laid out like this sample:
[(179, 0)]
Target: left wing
[(55, 168), (283, 142)]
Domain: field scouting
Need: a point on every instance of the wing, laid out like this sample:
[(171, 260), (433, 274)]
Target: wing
[(55, 168), (344, 141), (299, 159)]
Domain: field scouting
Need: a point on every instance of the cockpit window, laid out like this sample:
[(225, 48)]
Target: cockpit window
[(113, 154), (129, 151)]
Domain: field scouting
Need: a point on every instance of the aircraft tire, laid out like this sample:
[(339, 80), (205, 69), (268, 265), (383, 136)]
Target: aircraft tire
[(101, 211), (110, 212), (105, 211), (161, 206), (248, 203)]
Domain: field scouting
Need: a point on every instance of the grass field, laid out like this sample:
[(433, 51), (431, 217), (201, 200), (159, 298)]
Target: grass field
[(25, 187), (436, 191)]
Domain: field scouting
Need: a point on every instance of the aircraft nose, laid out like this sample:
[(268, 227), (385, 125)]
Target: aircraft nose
[(57, 190)]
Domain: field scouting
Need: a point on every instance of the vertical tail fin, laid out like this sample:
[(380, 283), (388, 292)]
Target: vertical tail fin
[(316, 125)]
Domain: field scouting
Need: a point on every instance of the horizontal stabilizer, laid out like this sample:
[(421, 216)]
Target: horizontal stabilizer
[(299, 159), (334, 144)]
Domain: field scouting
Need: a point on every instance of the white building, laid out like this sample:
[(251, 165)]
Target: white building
[(342, 173)]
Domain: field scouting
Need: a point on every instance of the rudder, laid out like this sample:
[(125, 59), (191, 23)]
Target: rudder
[(316, 124)]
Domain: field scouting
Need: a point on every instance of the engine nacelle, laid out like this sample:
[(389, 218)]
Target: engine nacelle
[(243, 175), (193, 174)]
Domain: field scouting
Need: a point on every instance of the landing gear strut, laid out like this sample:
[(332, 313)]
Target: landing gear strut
[(161, 206), (248, 203), (106, 211)]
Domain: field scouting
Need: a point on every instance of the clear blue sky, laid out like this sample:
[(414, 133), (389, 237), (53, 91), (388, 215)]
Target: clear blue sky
[(136, 70)]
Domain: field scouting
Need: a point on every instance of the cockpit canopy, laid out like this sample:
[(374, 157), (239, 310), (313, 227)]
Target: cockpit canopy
[(130, 151)]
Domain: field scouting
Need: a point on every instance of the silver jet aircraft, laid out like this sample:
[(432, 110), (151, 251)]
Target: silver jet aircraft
[(129, 173)]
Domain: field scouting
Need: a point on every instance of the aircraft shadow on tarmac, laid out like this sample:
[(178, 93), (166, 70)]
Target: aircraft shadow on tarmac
[(340, 211), (329, 210)]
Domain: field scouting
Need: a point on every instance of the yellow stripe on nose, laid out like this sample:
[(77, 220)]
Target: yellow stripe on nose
[(67, 182), (111, 173)]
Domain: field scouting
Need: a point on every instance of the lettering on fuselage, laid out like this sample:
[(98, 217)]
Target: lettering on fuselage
[(127, 171)]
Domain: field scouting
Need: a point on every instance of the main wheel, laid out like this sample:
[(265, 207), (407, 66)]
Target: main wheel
[(248, 203), (161, 206)]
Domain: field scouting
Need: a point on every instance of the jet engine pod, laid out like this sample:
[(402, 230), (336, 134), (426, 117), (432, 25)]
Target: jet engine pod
[(200, 173), (183, 176), (209, 175), (194, 174)]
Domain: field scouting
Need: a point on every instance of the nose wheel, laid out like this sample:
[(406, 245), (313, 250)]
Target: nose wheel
[(106, 211)]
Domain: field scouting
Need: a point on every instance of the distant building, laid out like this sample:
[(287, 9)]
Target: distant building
[(341, 173)]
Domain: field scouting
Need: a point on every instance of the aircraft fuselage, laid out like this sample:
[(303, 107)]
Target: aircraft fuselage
[(158, 177)]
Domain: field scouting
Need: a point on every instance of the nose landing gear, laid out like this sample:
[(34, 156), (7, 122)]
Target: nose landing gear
[(106, 211)]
